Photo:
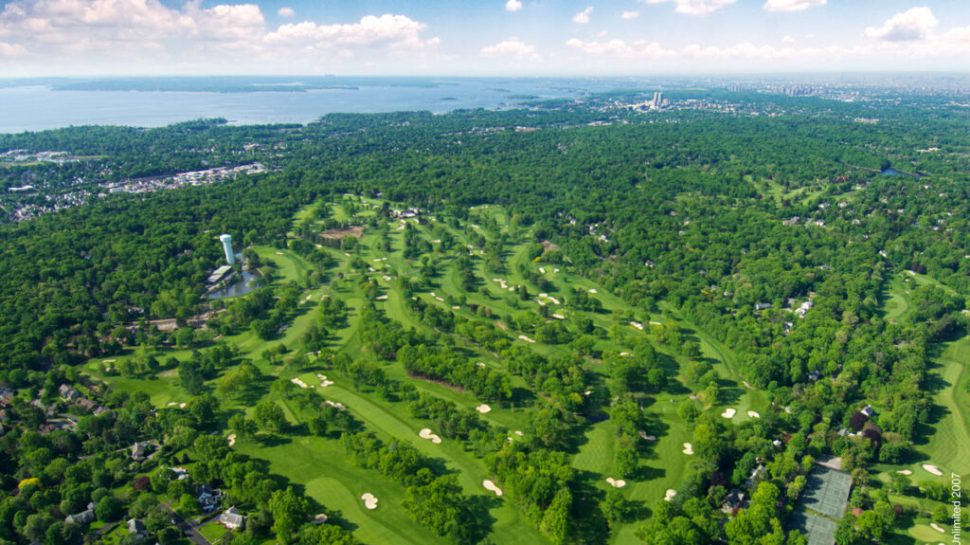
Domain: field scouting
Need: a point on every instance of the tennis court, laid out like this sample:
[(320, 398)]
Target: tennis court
[(827, 492)]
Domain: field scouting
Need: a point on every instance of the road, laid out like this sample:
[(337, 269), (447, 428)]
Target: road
[(186, 527)]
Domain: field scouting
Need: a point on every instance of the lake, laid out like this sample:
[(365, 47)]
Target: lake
[(31, 106)]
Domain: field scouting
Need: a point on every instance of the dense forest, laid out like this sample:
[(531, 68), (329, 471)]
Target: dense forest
[(825, 258)]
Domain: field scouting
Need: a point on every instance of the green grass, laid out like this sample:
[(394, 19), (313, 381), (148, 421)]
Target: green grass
[(949, 446)]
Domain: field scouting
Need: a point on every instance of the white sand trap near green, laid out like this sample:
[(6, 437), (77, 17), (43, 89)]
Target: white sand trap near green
[(637, 325), (593, 291), (381, 298), (182, 405), (670, 495), (298, 382), (626, 355), (526, 339), (519, 433), (370, 501), (688, 449), (480, 364), (930, 468), (558, 316), (336, 405), (171, 404), (492, 487), (906, 472), (320, 518), (754, 414), (729, 413), (426, 433), (937, 527), (649, 438), (616, 483), (231, 439), (483, 409)]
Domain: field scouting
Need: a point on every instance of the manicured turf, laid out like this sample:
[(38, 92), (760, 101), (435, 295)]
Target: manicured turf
[(949, 446)]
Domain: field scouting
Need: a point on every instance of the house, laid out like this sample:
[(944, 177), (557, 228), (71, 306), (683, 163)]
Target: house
[(139, 450), (68, 393), (136, 529), (232, 519), (868, 411), (759, 474), (88, 405), (734, 502), (6, 395), (762, 306), (84, 517), (209, 499), (180, 473)]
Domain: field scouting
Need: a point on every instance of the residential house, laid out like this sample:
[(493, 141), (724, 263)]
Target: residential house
[(84, 517), (68, 393), (233, 519), (209, 499)]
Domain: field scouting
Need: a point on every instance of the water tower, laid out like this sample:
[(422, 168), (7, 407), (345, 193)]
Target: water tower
[(227, 248)]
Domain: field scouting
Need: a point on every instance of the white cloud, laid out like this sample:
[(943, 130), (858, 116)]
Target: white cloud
[(694, 7), (630, 15), (913, 24), (582, 17), (287, 12), (116, 34), (788, 39), (513, 5), (512, 48), (792, 5)]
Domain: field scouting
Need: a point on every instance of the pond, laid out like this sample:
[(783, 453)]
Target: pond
[(245, 282)]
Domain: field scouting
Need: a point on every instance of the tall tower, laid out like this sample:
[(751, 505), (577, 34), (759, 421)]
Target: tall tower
[(227, 248)]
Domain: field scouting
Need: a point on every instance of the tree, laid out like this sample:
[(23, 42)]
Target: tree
[(109, 509), (270, 416), (289, 512), (556, 520)]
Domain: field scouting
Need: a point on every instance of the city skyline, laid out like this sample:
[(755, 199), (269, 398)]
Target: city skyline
[(480, 38)]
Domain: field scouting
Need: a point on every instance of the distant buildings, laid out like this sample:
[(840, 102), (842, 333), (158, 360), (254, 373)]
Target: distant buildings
[(233, 519)]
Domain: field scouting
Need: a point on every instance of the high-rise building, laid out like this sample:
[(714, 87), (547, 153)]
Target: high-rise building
[(658, 99), (227, 248)]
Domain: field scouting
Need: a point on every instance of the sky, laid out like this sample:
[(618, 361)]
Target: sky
[(480, 37)]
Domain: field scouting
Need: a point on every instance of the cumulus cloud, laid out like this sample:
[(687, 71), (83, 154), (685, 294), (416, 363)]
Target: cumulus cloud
[(583, 17), (695, 7), (912, 24), (118, 33), (513, 5), (512, 48), (630, 15), (792, 5)]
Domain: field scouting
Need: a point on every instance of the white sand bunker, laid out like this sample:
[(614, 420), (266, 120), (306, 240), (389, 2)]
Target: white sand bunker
[(729, 413), (933, 469), (382, 298), (616, 483), (688, 449), (232, 439), (171, 404), (558, 316), (483, 409), (324, 382), (670, 495), (645, 437), (593, 291), (426, 433), (480, 364), (754, 414), (492, 487), (906, 472), (526, 339), (370, 501), (298, 382), (519, 433), (336, 405), (937, 527), (637, 325), (182, 405)]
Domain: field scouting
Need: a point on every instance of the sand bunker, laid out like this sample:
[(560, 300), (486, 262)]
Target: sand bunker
[(933, 469), (182, 405), (616, 483), (526, 339), (426, 433), (558, 316), (299, 382), (637, 325), (519, 433), (729, 413), (320, 518), (171, 404), (937, 527), (480, 364), (754, 414), (491, 487), (645, 437), (382, 298), (231, 439), (906, 472), (670, 495), (542, 270), (370, 501), (483, 409), (336, 405), (593, 291), (688, 449)]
